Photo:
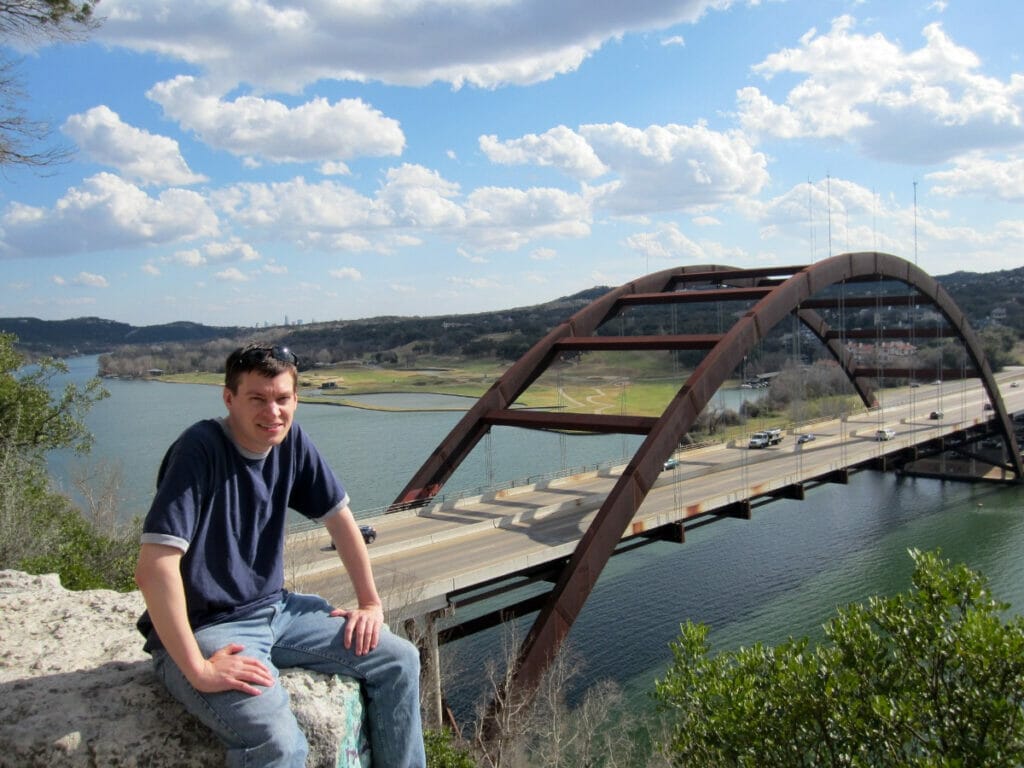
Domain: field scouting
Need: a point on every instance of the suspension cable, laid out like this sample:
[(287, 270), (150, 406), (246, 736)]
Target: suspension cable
[(846, 361), (879, 351)]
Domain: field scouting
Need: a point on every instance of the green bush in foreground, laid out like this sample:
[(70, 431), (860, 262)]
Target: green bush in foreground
[(84, 558), (930, 677), (443, 752), (42, 531)]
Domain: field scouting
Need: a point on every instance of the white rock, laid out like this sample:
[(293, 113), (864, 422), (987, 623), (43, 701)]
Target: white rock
[(76, 689)]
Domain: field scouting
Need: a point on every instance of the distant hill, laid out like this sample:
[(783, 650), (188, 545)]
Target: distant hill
[(92, 335), (978, 294), (341, 338), (505, 333)]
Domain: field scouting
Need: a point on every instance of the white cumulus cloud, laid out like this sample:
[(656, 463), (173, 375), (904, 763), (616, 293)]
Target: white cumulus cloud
[(90, 280), (987, 177), (346, 273), (284, 45), (504, 218), (675, 167), (658, 168), (137, 154), (560, 147), (921, 106), (411, 204), (231, 250), (270, 130), (232, 275), (105, 212)]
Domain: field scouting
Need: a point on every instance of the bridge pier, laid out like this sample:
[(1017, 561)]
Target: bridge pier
[(424, 633)]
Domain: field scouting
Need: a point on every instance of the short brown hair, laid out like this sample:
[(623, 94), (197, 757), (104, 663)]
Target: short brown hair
[(264, 359)]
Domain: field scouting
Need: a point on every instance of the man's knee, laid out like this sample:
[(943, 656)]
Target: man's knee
[(265, 731), (285, 744), (405, 654)]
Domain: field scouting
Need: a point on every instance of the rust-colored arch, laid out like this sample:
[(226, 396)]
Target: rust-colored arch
[(464, 436), (778, 292)]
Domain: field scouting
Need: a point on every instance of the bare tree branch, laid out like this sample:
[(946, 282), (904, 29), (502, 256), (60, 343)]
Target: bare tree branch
[(24, 141), (32, 20)]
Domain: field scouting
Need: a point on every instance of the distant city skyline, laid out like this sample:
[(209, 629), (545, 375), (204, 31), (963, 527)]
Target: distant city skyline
[(237, 164)]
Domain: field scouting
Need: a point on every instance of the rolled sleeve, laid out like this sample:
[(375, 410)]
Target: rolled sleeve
[(166, 540), (336, 509)]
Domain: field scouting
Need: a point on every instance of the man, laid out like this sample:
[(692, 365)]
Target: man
[(218, 621)]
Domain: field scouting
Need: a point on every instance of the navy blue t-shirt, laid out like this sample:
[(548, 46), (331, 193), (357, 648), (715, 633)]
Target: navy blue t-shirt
[(226, 509)]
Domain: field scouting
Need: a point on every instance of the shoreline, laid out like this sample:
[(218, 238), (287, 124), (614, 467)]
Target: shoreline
[(343, 402)]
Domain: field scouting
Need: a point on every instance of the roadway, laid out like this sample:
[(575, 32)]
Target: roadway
[(422, 556)]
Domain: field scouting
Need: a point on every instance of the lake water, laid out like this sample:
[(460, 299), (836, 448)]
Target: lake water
[(781, 574), (374, 451)]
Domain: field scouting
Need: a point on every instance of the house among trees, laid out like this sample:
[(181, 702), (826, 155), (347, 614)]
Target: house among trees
[(880, 352)]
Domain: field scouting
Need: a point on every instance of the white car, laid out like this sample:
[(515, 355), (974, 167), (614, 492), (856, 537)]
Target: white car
[(885, 433)]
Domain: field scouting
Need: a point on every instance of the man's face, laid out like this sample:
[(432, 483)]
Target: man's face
[(260, 412)]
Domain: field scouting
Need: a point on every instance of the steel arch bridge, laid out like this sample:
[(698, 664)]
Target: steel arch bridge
[(813, 294)]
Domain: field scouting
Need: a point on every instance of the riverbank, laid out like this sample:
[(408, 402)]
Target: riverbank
[(580, 388)]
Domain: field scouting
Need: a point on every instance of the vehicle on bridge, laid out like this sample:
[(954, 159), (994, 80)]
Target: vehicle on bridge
[(936, 415), (805, 438), (885, 433), (368, 532), (765, 438)]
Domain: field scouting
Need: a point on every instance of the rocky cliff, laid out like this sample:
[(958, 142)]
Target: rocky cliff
[(76, 689)]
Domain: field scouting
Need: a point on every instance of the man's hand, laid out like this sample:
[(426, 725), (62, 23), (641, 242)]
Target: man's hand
[(362, 626), (228, 670)]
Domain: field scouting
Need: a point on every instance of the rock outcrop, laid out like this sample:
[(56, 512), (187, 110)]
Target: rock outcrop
[(76, 689)]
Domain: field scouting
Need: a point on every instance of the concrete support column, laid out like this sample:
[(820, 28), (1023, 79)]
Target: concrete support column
[(424, 633)]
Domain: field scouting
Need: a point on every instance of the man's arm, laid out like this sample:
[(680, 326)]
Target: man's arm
[(158, 576), (363, 624)]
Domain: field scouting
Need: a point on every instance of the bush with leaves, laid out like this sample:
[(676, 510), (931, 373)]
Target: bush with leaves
[(443, 750), (931, 677), (42, 531)]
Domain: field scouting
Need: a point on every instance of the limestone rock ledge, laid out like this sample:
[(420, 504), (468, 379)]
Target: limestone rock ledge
[(76, 689)]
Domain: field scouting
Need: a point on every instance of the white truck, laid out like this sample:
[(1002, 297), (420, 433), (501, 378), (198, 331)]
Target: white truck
[(765, 438)]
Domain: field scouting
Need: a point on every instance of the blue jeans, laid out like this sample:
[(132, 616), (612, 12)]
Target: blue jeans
[(299, 632)]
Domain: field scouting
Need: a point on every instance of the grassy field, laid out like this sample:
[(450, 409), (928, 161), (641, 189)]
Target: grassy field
[(634, 384)]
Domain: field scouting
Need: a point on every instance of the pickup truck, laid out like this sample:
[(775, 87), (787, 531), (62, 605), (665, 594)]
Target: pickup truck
[(765, 438)]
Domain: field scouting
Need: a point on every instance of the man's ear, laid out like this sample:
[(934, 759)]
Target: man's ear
[(227, 394)]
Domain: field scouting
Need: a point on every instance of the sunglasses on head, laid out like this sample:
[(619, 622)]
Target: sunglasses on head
[(257, 355)]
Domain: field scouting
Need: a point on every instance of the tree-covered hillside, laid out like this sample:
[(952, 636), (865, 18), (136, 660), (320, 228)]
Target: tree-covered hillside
[(986, 298)]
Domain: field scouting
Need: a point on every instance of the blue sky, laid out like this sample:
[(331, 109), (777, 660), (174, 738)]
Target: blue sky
[(243, 163)]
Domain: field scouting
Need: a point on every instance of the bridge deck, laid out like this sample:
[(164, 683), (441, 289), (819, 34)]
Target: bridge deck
[(423, 556)]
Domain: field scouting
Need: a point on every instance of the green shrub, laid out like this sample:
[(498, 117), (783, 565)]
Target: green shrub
[(42, 531), (443, 751), (86, 559), (932, 677)]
